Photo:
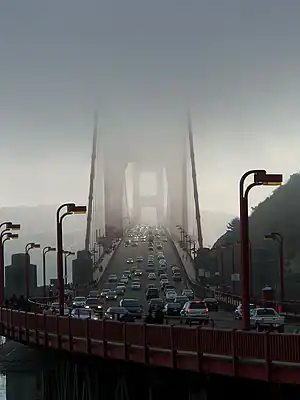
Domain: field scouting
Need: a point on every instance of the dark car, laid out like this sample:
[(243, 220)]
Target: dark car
[(156, 304), (212, 304), (133, 307), (152, 293), (181, 300), (93, 304), (172, 309), (118, 314)]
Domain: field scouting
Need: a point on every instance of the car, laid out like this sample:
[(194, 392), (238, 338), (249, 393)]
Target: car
[(120, 290), (161, 270), (140, 259), (93, 304), (132, 306), (104, 292), (112, 279), (195, 311), (169, 287), (127, 273), (118, 314), (112, 295), (181, 300), (212, 304), (150, 286), (170, 294), (138, 272), (177, 277), (172, 309), (188, 293), (93, 293), (83, 313), (152, 276), (135, 285), (124, 280), (152, 293), (163, 282), (79, 301), (162, 262), (156, 304), (129, 260), (163, 276)]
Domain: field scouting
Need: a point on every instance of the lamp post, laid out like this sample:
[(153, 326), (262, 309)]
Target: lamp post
[(260, 178), (71, 208), (277, 237), (67, 254), (46, 250), (8, 226), (28, 247)]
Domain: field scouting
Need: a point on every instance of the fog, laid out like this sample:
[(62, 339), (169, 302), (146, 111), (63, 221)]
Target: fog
[(142, 65)]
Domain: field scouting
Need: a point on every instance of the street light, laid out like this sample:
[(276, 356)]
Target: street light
[(7, 227), (67, 254), (28, 247), (261, 177), (71, 208), (277, 237), (46, 250)]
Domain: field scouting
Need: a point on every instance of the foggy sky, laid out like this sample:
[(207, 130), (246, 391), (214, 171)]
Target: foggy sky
[(142, 64)]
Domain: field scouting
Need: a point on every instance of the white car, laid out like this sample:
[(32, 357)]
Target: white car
[(83, 313), (79, 301), (152, 276), (171, 295)]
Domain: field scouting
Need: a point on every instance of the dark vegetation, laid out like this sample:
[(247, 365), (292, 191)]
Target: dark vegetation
[(280, 212)]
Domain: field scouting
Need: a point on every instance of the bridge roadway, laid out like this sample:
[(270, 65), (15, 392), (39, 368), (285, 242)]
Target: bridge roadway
[(222, 319)]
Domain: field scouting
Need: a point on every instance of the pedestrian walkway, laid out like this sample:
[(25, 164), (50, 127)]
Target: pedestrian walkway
[(105, 262), (187, 262)]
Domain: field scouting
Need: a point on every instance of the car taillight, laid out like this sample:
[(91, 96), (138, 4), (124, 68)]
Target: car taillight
[(206, 309), (188, 310)]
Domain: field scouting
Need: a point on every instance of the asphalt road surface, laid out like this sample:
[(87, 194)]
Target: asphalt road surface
[(222, 319)]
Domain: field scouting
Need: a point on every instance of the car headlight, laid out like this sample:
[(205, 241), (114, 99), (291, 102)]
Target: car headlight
[(86, 306), (99, 306)]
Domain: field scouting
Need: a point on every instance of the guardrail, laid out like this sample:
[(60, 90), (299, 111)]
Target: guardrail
[(166, 345)]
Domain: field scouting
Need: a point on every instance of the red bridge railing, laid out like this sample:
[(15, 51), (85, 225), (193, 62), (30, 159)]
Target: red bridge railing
[(181, 347)]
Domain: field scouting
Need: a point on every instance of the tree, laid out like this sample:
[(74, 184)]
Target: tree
[(233, 225), (280, 212)]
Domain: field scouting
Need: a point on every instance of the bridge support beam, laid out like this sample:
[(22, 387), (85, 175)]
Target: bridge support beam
[(175, 196), (136, 214), (113, 189), (160, 193)]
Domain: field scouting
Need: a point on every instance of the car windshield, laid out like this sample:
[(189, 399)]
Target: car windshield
[(90, 302), (79, 299), (173, 305), (199, 305), (181, 298), (112, 293), (82, 312), (266, 312), (152, 290), (130, 303)]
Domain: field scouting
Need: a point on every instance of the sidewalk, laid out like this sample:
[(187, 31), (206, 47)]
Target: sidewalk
[(104, 263), (186, 262)]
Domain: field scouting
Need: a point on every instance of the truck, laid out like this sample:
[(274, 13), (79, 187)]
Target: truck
[(266, 319)]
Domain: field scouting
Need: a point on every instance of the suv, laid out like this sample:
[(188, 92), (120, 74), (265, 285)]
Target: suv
[(152, 293), (195, 311)]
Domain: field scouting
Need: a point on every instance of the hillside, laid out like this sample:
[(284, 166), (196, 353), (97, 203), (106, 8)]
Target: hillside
[(280, 212)]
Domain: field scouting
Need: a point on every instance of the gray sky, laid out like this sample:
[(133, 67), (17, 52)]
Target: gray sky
[(142, 64)]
